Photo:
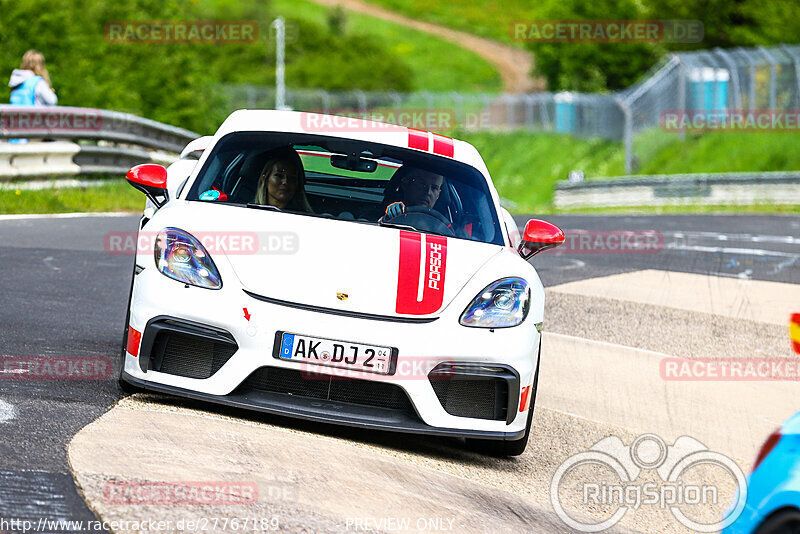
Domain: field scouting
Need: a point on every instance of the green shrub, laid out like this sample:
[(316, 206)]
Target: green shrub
[(178, 83)]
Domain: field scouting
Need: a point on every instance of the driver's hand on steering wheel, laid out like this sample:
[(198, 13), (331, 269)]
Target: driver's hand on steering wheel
[(394, 209)]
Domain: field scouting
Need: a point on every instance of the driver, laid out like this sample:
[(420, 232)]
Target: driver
[(417, 188)]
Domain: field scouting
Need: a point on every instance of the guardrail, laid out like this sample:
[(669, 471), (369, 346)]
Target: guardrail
[(682, 189), (94, 124), (94, 135)]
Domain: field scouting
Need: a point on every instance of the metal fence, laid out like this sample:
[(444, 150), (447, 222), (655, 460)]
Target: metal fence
[(714, 85), (714, 189), (713, 82), (585, 115)]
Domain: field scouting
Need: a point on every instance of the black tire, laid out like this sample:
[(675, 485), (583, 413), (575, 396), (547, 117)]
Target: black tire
[(782, 522), (125, 386), (493, 447)]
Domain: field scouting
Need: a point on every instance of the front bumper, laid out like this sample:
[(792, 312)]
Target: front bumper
[(324, 411), (436, 342)]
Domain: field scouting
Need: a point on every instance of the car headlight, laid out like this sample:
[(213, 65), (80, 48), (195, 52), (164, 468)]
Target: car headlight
[(180, 256), (501, 304)]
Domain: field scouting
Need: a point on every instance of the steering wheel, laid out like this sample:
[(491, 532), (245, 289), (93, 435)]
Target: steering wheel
[(425, 219)]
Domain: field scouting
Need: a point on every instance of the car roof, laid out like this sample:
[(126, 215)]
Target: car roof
[(250, 120)]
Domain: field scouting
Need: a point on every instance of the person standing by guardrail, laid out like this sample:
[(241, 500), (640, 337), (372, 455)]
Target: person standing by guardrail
[(30, 84)]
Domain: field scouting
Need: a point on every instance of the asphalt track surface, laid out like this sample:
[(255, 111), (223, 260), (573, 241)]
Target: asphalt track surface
[(64, 295)]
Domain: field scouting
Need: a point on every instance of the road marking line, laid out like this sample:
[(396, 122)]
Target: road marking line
[(610, 345), (733, 250), (74, 215), (7, 411), (39, 185), (48, 260), (738, 237), (13, 371)]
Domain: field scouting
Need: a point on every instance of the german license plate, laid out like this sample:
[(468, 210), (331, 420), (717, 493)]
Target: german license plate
[(336, 353)]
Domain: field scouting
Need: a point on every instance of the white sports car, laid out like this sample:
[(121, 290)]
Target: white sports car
[(338, 270)]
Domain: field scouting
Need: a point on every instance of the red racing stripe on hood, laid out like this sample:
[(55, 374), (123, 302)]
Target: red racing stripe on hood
[(421, 273)]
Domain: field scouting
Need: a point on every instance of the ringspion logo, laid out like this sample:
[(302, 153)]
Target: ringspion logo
[(606, 477)]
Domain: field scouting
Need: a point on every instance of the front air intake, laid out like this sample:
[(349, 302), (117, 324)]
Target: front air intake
[(326, 387), (477, 391), (186, 349), (190, 356)]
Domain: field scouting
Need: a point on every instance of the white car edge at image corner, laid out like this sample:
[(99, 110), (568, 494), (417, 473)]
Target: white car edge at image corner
[(443, 340)]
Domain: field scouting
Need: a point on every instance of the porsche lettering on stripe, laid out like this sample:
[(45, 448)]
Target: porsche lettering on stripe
[(441, 145), (421, 274)]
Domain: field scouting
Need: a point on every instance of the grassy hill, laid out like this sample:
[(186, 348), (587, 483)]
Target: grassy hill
[(435, 64), (180, 83), (487, 18)]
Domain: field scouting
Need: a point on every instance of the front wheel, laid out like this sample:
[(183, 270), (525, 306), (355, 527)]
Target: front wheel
[(784, 522), (493, 447)]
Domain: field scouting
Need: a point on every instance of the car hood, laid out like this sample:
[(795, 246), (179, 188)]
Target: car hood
[(343, 265)]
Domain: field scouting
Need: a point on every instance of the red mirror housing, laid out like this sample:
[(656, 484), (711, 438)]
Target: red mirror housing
[(151, 179), (538, 236)]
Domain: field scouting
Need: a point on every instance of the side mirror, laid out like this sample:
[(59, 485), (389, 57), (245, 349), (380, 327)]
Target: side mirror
[(539, 236), (150, 179), (794, 331)]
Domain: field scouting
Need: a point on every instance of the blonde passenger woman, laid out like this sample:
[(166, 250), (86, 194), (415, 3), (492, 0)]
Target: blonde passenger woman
[(30, 83), (282, 181)]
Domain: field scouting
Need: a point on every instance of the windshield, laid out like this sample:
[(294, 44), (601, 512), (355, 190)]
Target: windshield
[(349, 180)]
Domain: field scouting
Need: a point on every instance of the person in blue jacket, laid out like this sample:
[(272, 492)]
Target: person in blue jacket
[(30, 84), (26, 84)]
